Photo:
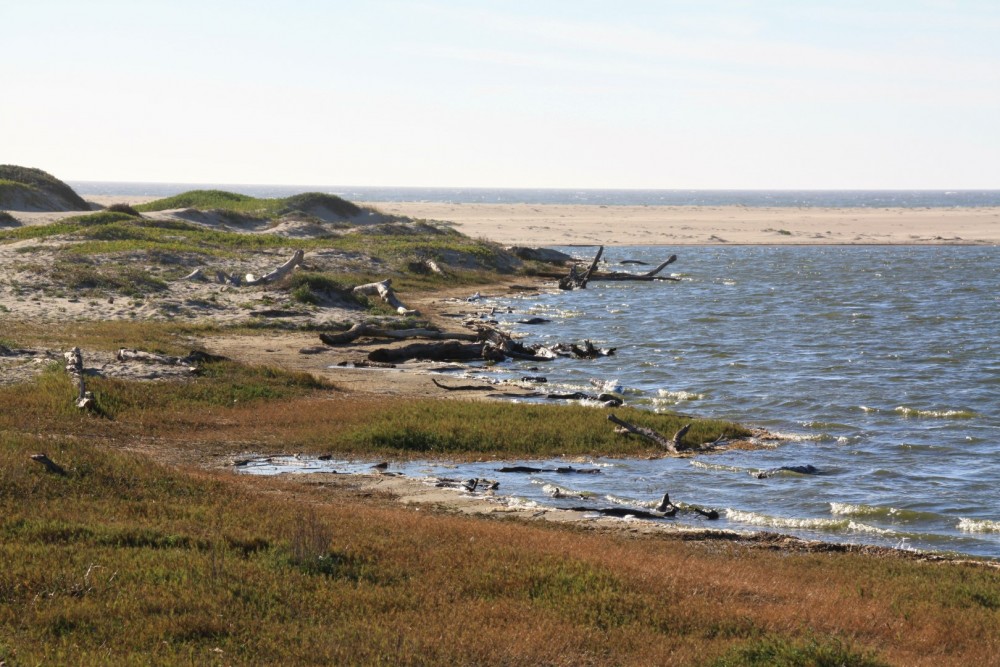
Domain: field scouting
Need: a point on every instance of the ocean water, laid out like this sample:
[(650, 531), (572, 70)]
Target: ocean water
[(880, 365), (791, 198)]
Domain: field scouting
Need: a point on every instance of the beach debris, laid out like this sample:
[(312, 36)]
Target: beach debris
[(672, 445), (801, 470), (384, 290), (534, 320), (381, 467), (475, 297), (49, 464)]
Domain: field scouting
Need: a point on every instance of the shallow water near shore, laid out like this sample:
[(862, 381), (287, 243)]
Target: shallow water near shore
[(879, 364)]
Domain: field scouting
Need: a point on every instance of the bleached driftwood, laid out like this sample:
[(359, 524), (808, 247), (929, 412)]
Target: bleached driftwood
[(365, 330), (74, 366), (384, 290), (197, 274), (434, 267), (278, 273), (49, 464)]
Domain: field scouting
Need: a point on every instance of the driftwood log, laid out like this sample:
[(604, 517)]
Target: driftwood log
[(49, 464), (194, 357), (648, 276), (575, 280), (463, 387), (451, 350), (366, 330), (278, 273), (672, 445), (383, 289), (74, 366), (250, 280)]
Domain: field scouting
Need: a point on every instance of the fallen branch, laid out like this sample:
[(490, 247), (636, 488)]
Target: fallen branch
[(649, 434), (279, 272), (49, 464), (383, 290)]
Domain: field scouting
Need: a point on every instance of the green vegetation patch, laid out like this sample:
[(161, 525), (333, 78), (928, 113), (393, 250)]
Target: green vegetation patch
[(312, 203), (779, 652), (38, 186)]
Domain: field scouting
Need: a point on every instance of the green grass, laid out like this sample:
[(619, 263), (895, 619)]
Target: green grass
[(265, 208), (38, 182)]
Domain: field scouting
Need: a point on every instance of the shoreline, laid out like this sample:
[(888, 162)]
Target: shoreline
[(670, 225)]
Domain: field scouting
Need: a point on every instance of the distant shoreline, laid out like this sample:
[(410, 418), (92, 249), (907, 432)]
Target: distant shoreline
[(581, 224)]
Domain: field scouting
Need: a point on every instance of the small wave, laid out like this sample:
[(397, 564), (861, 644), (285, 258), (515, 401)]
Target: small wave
[(936, 414), (825, 525), (717, 466), (859, 509), (801, 437), (865, 408), (978, 526), (668, 397)]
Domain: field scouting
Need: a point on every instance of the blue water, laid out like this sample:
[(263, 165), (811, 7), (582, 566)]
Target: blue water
[(879, 364), (790, 198)]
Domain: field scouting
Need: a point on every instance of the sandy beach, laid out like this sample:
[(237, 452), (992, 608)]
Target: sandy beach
[(553, 224)]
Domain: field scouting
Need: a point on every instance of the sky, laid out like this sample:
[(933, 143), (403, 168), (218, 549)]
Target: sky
[(880, 94)]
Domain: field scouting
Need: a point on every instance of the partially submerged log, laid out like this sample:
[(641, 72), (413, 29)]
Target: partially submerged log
[(561, 470), (801, 470), (49, 464), (384, 290), (648, 276), (577, 281)]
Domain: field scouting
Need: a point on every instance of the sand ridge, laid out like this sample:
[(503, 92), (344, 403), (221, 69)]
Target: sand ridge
[(560, 224)]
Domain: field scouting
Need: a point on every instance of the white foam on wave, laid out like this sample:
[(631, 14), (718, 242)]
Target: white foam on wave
[(978, 526), (717, 466), (667, 397), (826, 525), (935, 414)]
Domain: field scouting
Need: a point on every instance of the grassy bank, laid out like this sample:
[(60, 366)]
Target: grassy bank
[(230, 409), (125, 560)]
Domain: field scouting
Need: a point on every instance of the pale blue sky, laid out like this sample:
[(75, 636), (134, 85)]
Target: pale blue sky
[(579, 93)]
